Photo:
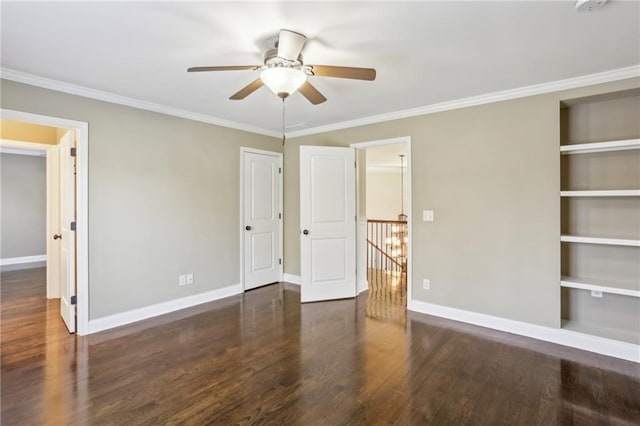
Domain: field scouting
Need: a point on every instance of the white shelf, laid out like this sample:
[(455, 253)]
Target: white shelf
[(602, 193), (609, 333), (594, 240), (597, 285), (585, 148)]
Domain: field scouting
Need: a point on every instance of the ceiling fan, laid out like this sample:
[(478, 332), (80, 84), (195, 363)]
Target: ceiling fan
[(284, 71)]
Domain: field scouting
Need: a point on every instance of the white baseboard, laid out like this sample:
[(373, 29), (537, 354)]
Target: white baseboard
[(363, 286), (560, 336), (139, 314), (292, 279), (23, 259)]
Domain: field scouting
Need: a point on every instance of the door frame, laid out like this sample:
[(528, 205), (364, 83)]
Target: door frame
[(10, 146), (279, 155), (81, 129), (360, 237)]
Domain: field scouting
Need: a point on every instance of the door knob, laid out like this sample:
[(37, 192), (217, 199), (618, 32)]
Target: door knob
[(248, 228), (57, 236), (305, 232)]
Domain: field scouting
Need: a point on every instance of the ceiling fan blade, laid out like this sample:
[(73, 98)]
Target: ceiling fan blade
[(344, 72), (290, 44), (247, 90), (311, 93), (227, 68)]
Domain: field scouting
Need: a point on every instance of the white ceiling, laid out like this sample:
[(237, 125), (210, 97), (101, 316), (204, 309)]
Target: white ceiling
[(425, 52)]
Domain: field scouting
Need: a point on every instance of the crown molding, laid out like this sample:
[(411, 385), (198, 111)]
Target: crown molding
[(537, 89), (74, 89), (504, 95)]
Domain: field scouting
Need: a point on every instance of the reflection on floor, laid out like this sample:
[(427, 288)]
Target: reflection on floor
[(387, 298), (263, 358)]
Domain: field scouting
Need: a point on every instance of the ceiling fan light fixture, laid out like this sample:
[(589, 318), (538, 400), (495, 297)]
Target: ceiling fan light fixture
[(283, 81)]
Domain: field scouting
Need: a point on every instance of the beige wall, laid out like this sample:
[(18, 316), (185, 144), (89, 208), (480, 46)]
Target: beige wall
[(383, 195), (23, 205), (163, 198), (492, 175), (27, 132)]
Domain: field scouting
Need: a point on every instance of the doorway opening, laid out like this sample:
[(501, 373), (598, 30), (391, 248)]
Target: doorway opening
[(384, 237), (63, 272)]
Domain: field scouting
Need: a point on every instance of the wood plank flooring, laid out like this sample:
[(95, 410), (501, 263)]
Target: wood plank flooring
[(263, 358)]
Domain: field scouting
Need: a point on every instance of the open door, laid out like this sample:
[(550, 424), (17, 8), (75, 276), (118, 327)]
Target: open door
[(328, 223), (68, 240)]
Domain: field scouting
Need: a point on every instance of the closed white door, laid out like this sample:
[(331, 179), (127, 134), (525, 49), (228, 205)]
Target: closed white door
[(261, 218), (68, 240), (328, 223)]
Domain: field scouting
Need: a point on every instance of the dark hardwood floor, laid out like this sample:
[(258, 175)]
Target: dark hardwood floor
[(263, 358)]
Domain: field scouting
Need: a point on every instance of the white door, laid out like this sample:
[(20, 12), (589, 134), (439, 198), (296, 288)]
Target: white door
[(328, 223), (261, 218), (68, 240)]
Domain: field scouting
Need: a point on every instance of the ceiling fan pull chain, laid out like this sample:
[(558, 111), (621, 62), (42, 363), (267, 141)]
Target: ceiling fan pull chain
[(283, 136)]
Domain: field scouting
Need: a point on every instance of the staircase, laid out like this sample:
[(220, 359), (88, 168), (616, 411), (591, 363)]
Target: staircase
[(387, 246)]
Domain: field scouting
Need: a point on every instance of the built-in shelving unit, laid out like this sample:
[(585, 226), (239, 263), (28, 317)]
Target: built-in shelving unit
[(600, 216)]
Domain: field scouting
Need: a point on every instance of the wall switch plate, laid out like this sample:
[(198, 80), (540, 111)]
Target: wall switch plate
[(182, 280), (427, 215), (190, 278), (426, 284), (596, 293)]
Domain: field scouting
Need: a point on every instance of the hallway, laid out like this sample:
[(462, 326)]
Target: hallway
[(263, 357)]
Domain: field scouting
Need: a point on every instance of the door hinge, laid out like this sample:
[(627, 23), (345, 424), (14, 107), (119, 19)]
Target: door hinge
[(74, 300), (279, 261), (355, 164), (72, 226), (280, 170), (73, 152), (279, 215)]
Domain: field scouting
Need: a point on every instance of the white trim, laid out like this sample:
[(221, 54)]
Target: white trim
[(23, 151), (134, 315), (602, 193), (74, 89), (595, 240), (280, 157), (536, 89), (585, 148), (82, 203), (591, 285), (27, 148), (23, 259), (392, 170), (573, 339), (503, 95), (292, 279)]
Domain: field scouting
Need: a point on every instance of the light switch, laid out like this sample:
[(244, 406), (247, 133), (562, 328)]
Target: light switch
[(427, 215)]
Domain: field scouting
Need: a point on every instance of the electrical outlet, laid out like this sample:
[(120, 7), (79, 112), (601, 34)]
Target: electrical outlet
[(426, 284), (427, 215), (182, 280), (190, 278), (596, 294)]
